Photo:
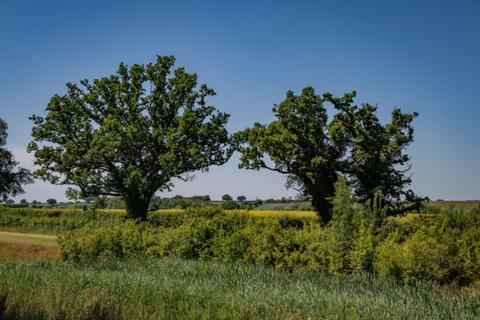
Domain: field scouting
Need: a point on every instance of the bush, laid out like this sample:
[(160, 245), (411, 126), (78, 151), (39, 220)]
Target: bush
[(100, 241), (419, 257), (204, 233), (229, 205), (443, 247)]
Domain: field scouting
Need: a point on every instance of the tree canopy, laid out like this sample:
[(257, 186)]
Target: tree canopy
[(313, 151), (130, 134), (11, 180), (376, 161), (227, 197), (51, 201)]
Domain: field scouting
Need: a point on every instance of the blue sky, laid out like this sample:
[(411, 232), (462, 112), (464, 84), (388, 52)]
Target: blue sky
[(419, 55)]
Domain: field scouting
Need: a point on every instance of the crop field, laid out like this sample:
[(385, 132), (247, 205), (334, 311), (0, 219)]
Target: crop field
[(455, 205)]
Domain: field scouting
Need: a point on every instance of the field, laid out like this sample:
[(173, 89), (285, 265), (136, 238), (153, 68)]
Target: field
[(27, 246), (458, 205), (455, 205), (175, 289), (187, 279)]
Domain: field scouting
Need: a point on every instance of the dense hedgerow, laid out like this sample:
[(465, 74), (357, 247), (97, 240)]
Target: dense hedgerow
[(441, 247), (58, 220), (49, 219), (444, 246)]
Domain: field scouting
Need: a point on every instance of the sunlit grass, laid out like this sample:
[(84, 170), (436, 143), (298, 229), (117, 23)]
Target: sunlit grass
[(177, 289)]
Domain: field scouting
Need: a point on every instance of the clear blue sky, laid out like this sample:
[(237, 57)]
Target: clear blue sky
[(419, 55)]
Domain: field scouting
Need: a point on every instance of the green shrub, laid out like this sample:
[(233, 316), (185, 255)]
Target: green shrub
[(207, 234), (468, 246), (229, 205), (442, 247), (101, 241), (419, 257)]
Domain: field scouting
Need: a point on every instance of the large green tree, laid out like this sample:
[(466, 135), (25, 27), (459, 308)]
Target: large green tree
[(299, 145), (130, 134), (11, 179), (313, 151)]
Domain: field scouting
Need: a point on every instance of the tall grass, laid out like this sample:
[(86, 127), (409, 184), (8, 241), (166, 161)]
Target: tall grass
[(176, 289)]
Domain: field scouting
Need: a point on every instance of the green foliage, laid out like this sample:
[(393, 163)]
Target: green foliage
[(419, 257), (133, 131), (241, 198), (312, 151), (443, 247), (376, 158), (50, 220), (11, 180), (299, 146), (229, 205), (353, 231), (227, 197), (51, 201), (102, 242), (180, 203)]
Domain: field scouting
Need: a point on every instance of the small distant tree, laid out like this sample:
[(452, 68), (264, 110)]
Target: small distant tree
[(51, 201), (10, 201), (24, 201), (241, 198), (130, 134), (201, 198), (227, 197), (11, 180)]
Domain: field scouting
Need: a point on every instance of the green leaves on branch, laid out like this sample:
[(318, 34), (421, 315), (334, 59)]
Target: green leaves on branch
[(313, 152), (130, 134), (11, 180)]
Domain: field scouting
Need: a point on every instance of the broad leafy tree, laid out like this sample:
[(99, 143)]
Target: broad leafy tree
[(130, 134), (11, 177), (297, 144), (313, 151)]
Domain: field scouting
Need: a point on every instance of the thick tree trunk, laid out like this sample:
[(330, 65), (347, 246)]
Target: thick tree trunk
[(323, 208), (321, 192), (137, 207)]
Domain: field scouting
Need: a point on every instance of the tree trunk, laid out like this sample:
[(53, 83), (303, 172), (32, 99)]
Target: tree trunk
[(323, 208), (137, 207)]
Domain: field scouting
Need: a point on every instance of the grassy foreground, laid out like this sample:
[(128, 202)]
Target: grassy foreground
[(177, 289)]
